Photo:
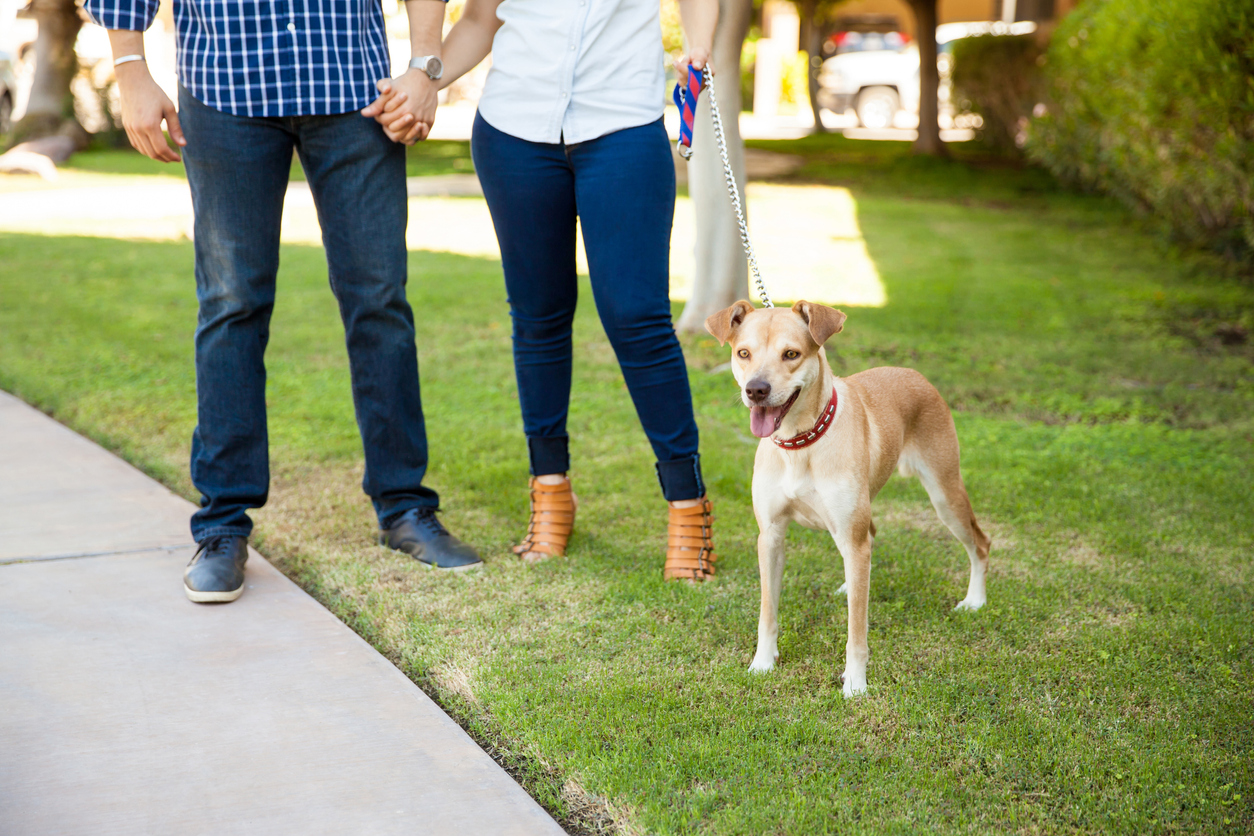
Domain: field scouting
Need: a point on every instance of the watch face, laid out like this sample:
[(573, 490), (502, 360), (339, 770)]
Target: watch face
[(435, 67)]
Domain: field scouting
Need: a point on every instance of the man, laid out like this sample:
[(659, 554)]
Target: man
[(260, 79)]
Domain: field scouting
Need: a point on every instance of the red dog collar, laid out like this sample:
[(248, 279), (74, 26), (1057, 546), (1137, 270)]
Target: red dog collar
[(808, 438)]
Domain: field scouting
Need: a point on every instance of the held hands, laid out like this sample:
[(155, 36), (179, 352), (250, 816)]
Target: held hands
[(144, 106), (405, 107)]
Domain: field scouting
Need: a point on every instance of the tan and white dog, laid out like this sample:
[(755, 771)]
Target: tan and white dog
[(828, 445)]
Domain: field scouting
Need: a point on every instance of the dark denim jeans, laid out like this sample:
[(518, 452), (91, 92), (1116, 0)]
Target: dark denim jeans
[(622, 189), (238, 170)]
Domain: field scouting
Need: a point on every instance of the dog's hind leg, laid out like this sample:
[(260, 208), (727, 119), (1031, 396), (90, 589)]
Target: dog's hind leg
[(771, 570), (938, 470)]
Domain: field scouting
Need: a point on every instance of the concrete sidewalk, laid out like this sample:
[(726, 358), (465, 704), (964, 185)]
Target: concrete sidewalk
[(126, 709)]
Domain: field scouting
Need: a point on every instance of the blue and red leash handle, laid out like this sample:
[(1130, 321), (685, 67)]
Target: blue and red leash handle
[(686, 101)]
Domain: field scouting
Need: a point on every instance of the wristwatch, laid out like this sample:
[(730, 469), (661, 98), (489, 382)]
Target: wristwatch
[(429, 64)]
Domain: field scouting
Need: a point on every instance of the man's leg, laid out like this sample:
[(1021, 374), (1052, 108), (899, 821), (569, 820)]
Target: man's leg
[(357, 176), (237, 168)]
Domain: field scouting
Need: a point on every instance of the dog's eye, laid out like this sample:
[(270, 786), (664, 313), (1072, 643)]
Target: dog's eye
[(791, 355), (743, 354)]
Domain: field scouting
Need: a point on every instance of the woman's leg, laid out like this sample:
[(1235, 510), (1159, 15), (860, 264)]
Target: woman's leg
[(530, 192), (625, 188)]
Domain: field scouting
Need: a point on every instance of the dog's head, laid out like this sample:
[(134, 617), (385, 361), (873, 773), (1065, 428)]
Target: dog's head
[(776, 355)]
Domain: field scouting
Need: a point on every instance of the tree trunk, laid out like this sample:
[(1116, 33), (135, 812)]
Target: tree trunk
[(929, 141), (812, 43), (50, 108), (722, 272)]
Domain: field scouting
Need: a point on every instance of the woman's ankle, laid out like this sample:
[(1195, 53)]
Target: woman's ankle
[(687, 503), (552, 479)]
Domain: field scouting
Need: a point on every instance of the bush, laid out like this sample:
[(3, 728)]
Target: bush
[(998, 77), (1153, 101)]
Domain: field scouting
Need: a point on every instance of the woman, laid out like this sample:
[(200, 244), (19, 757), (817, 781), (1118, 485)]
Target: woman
[(570, 126)]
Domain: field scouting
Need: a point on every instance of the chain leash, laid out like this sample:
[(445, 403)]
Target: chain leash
[(687, 109)]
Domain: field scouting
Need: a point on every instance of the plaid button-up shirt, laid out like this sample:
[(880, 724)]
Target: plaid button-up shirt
[(269, 57)]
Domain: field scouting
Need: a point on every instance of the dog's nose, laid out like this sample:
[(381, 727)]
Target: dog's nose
[(758, 389)]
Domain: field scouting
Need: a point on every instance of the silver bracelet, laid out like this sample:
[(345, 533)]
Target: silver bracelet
[(126, 59)]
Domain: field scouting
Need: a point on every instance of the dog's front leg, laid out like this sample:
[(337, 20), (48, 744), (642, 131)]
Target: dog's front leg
[(771, 571), (855, 547)]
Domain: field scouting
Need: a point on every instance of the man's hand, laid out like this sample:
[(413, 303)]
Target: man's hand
[(405, 107), (144, 106)]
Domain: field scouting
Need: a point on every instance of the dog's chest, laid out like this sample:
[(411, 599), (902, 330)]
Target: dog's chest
[(800, 489)]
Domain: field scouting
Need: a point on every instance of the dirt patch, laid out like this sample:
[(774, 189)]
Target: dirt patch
[(452, 678), (592, 815), (1081, 553)]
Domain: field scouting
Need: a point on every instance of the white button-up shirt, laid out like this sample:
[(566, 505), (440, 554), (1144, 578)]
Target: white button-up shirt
[(574, 70)]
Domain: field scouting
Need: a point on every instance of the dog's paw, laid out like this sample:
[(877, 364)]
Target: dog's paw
[(763, 664), (844, 589), (854, 686), (970, 604)]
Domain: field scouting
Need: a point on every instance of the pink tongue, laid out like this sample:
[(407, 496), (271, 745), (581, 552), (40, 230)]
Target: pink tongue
[(762, 419)]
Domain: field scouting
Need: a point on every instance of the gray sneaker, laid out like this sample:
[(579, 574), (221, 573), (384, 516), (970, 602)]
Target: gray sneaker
[(216, 573), (421, 536)]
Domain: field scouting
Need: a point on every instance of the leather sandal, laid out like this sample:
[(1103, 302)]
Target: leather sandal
[(552, 518), (689, 549)]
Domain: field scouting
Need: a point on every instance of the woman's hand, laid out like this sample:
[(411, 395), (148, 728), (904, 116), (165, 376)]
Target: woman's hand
[(699, 59), (699, 18)]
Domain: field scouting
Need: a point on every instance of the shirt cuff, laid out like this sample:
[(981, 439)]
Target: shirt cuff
[(134, 16)]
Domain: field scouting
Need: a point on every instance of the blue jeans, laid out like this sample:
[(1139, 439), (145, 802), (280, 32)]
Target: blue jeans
[(238, 170), (621, 186)]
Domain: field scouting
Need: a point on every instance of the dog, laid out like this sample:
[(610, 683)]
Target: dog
[(828, 446)]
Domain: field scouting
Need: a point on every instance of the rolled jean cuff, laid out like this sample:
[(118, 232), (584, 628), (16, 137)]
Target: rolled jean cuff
[(681, 479), (391, 515), (223, 531), (549, 455)]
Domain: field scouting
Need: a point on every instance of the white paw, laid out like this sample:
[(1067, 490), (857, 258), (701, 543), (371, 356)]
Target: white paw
[(970, 604), (844, 589), (854, 685), (763, 664)]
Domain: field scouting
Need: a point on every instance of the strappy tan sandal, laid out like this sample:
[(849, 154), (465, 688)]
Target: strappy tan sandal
[(552, 518), (689, 549)]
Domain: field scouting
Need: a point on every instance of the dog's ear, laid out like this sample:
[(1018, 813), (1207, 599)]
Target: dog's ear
[(724, 323), (823, 321)]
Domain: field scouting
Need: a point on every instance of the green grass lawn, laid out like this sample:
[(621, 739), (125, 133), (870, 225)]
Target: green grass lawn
[(1103, 399)]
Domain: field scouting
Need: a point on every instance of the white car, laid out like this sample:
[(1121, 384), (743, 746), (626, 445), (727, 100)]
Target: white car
[(879, 84)]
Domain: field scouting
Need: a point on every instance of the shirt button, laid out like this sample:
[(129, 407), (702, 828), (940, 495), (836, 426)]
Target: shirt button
[(572, 47), (291, 27)]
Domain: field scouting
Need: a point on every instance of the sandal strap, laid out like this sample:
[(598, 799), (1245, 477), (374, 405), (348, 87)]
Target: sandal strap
[(552, 519), (689, 547)]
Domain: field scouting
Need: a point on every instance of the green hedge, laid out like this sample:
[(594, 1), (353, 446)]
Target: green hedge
[(998, 77), (1153, 101)]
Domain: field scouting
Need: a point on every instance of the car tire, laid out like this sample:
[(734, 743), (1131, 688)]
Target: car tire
[(877, 107), (6, 114)]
